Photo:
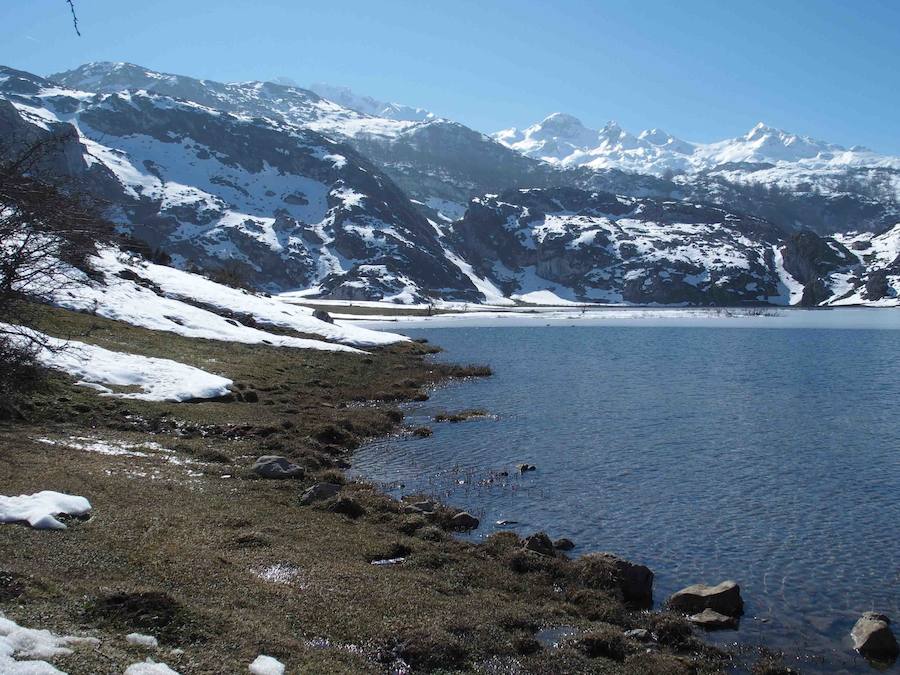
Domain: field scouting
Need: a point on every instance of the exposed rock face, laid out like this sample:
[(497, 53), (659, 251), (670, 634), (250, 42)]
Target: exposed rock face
[(872, 637), (723, 598), (273, 466)]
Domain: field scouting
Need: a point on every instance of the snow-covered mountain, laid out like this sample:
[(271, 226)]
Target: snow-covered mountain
[(290, 190), (596, 246), (366, 104), (563, 139), (280, 205)]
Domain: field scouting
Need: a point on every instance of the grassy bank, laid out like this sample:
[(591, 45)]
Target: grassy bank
[(187, 545)]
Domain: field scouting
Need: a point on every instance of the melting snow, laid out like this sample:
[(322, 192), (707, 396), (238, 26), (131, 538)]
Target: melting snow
[(33, 646), (266, 665), (39, 509)]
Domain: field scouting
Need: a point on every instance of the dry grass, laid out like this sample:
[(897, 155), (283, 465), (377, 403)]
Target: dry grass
[(184, 544)]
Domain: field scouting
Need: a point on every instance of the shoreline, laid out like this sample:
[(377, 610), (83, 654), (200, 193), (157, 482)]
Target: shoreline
[(182, 529)]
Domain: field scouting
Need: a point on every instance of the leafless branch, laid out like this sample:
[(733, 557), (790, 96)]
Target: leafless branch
[(74, 16)]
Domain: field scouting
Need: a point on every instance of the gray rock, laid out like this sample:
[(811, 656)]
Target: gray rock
[(539, 543), (724, 598), (273, 466), (464, 521), (712, 620), (872, 637), (322, 315), (319, 492), (522, 468), (639, 634)]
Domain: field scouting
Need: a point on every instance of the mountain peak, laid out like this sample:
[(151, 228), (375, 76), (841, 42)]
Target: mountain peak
[(367, 105)]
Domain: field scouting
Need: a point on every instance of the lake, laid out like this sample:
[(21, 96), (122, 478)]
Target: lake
[(753, 450)]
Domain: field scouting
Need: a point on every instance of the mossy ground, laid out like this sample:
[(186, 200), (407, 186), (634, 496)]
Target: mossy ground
[(185, 544)]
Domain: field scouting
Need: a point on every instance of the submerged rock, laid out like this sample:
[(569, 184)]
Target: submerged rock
[(724, 598), (319, 492), (273, 466), (872, 637), (522, 468), (712, 620)]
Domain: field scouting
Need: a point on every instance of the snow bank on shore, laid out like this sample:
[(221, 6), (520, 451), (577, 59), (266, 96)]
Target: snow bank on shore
[(164, 298), (157, 379), (39, 509)]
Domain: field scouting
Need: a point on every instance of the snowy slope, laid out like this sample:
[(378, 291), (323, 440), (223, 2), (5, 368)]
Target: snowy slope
[(164, 298)]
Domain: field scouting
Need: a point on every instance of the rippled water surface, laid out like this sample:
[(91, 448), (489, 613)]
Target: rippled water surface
[(768, 456)]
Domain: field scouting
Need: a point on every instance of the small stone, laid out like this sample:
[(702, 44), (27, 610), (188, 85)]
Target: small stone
[(639, 634), (872, 637), (724, 598), (273, 466), (319, 492), (564, 544), (464, 521), (522, 468), (712, 620)]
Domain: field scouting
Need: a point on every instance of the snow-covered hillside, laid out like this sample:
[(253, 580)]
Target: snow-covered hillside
[(599, 247), (280, 205)]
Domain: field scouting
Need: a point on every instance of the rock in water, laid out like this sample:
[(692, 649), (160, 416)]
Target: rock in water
[(319, 492), (540, 543), (273, 466), (872, 637), (712, 620), (607, 571), (464, 521), (564, 544), (724, 598)]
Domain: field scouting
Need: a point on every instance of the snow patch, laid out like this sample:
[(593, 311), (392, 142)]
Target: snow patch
[(266, 665), (39, 509)]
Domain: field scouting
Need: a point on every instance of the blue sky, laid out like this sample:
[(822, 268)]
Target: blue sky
[(700, 69)]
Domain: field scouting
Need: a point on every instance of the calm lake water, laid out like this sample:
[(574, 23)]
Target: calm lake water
[(770, 456)]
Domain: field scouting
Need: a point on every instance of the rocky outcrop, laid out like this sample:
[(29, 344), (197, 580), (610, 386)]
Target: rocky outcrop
[(872, 637), (724, 598)]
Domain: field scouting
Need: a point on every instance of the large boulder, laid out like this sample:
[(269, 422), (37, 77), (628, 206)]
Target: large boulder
[(319, 492), (872, 637), (273, 466), (463, 521), (724, 598)]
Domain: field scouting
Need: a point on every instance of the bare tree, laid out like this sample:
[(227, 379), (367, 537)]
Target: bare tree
[(48, 230)]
